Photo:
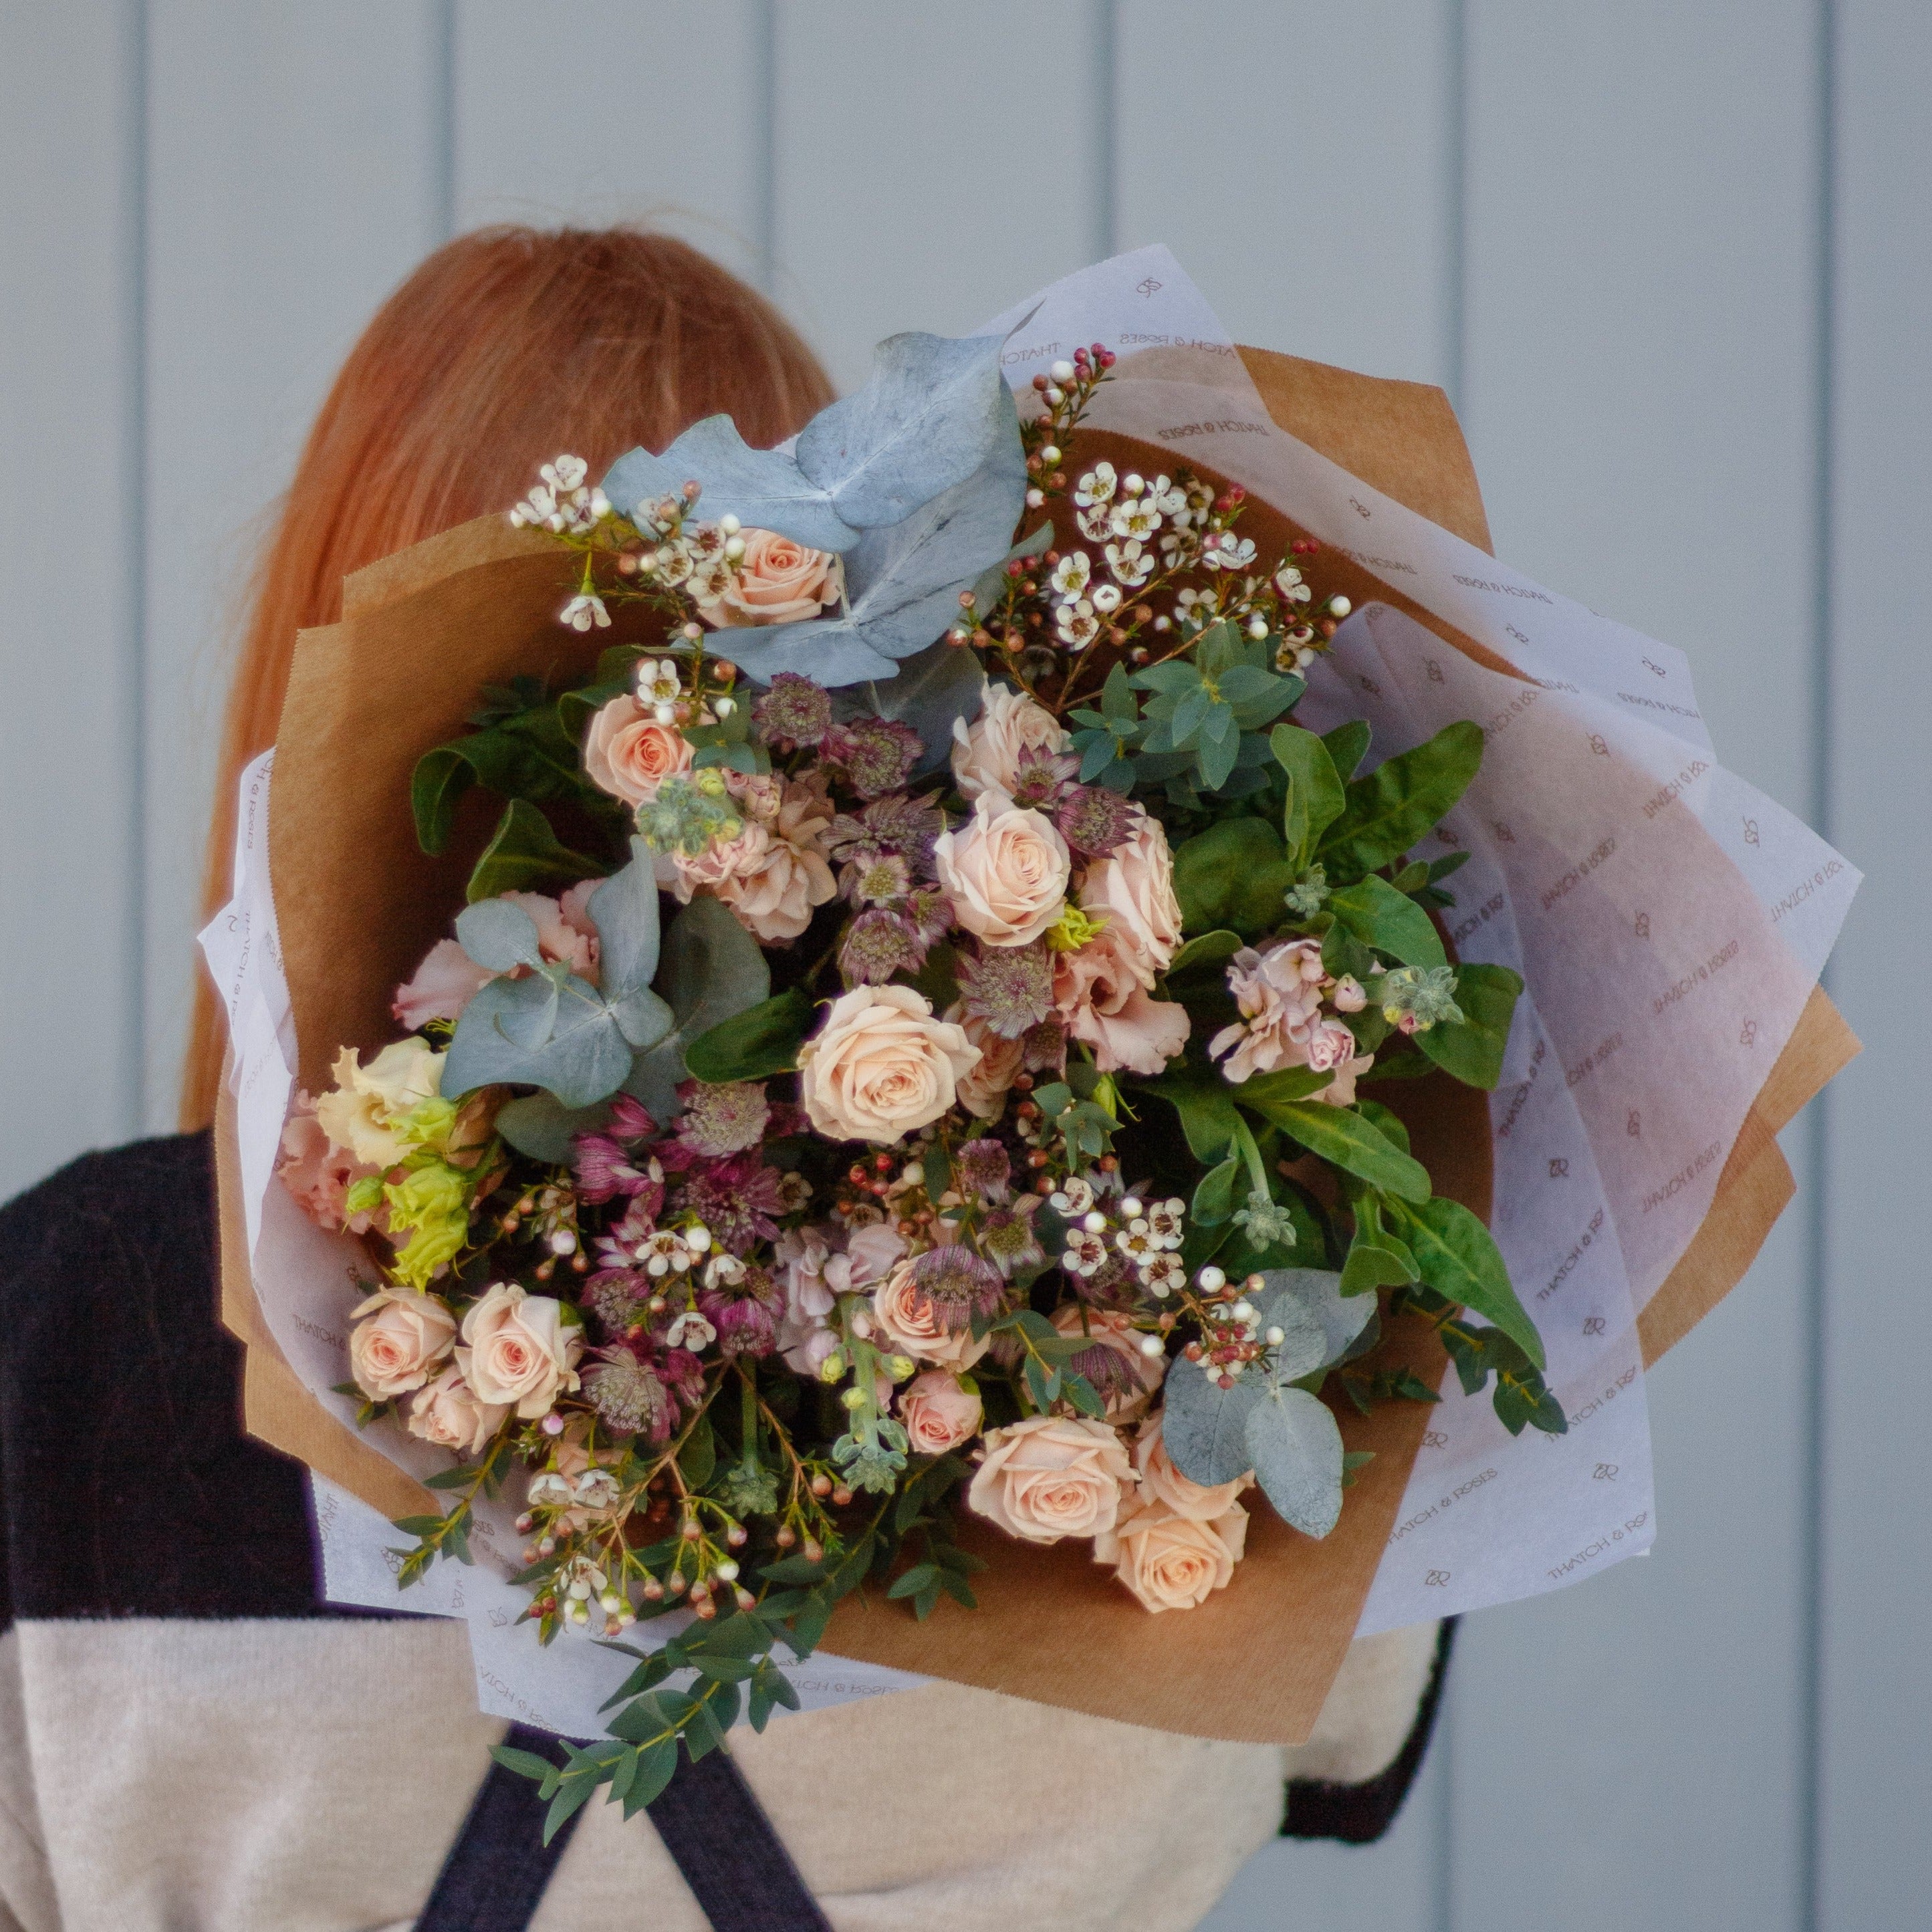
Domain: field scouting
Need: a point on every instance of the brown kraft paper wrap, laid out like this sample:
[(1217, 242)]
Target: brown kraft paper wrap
[(357, 903)]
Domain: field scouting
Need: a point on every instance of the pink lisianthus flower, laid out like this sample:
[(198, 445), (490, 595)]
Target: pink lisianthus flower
[(1099, 993), (448, 979)]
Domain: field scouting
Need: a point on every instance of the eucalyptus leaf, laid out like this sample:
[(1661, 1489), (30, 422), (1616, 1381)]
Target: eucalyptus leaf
[(935, 688), (1293, 1446), (990, 585), (1204, 1426), (927, 417), (764, 1040), (765, 489), (540, 1125), (1328, 1321), (498, 936), (712, 970)]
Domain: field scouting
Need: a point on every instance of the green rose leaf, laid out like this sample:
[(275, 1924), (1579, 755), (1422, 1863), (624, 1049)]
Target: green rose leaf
[(1457, 1259), (763, 1040), (1343, 1138)]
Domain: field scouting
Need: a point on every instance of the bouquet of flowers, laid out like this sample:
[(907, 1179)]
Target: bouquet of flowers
[(946, 1062), (913, 1044)]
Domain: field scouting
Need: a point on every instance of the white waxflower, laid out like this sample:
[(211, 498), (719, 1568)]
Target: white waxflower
[(1287, 581), (1177, 546), (1074, 1197), (1106, 599), (1166, 1221), (1166, 498), (1136, 1241), (566, 473), (1231, 553), (582, 612), (550, 1490), (690, 1331), (1130, 563), (598, 1489), (1096, 525), (1085, 1253), (657, 682), (1135, 517), (1070, 574), (1096, 487), (1076, 622), (1163, 1275), (675, 562)]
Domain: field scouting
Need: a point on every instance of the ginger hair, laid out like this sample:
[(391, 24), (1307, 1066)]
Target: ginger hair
[(506, 346)]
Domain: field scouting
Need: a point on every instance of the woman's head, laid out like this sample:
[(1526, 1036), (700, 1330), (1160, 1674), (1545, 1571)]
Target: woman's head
[(505, 347)]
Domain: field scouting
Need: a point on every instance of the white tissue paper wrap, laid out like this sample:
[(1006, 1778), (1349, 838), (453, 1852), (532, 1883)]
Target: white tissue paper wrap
[(1669, 920)]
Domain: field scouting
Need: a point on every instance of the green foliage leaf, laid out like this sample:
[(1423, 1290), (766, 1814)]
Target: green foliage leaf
[(1315, 795), (1402, 799), (523, 753), (1471, 1049), (1218, 1193), (762, 1040), (1341, 1136), (1348, 746), (1233, 876), (1456, 1257), (1380, 916), (698, 1459), (525, 855), (1205, 1103)]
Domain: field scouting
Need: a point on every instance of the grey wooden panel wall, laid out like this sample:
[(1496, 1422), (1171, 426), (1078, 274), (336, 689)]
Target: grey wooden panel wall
[(1671, 258)]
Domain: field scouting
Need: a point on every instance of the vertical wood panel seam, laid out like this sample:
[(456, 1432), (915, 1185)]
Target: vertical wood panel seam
[(135, 482), (442, 183), (1106, 132), (765, 144), (1810, 1687)]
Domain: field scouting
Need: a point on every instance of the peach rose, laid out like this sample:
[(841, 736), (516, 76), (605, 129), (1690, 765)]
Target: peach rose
[(1098, 991), (448, 1413), (983, 1091), (1133, 888), (1005, 870), (774, 872), (903, 1313), (628, 754), (1174, 1562), (939, 1412), (986, 754), (1162, 1482), (777, 582), (881, 1066), (1131, 1387), (518, 1350), (1051, 1476), (399, 1341)]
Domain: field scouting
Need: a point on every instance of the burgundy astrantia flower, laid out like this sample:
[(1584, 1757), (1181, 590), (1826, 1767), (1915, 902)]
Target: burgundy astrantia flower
[(878, 753), (617, 1246), (744, 1312), (616, 1297), (878, 943), (880, 880), (1007, 988), (930, 912), (1043, 1048), (607, 1164), (795, 709), (622, 1384), (1095, 821), (908, 827), (722, 1118), (1041, 778), (1007, 1238), (986, 1170), (959, 1285), (737, 1199), (1110, 1371)]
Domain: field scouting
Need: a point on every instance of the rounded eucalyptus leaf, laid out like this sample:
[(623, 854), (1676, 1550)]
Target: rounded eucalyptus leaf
[(1294, 1448), (1316, 1293), (1204, 1426), (498, 936)]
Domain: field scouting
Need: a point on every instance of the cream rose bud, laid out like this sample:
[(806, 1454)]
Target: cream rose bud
[(881, 1066), (399, 1338), (1173, 1562), (986, 753), (1162, 1482), (628, 754), (518, 1350), (939, 1413), (448, 1413), (777, 582), (1005, 870), (1052, 1476), (1133, 888)]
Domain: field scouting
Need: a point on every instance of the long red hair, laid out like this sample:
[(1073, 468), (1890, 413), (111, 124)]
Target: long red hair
[(505, 346)]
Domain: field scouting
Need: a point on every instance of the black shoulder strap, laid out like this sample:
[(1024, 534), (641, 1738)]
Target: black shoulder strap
[(714, 1828)]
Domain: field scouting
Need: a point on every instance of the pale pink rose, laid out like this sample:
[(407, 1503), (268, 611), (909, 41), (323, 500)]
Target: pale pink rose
[(448, 1413), (628, 754), (938, 1413), (1171, 1561), (904, 1314), (516, 1349), (1097, 990), (983, 1091), (986, 753), (1133, 888), (1005, 870), (448, 979), (399, 1341), (1051, 1476), (774, 872), (319, 1173), (1162, 1482), (1279, 995), (778, 582), (1136, 1377), (881, 1066)]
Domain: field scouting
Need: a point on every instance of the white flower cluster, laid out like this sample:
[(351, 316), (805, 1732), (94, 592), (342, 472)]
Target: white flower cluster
[(1146, 1234), (1129, 517), (563, 501)]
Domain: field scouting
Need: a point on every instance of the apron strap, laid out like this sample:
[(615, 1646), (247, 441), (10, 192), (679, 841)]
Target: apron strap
[(711, 1823)]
